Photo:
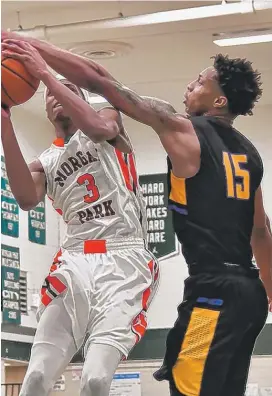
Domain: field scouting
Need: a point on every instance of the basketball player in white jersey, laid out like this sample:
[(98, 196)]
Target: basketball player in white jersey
[(105, 278)]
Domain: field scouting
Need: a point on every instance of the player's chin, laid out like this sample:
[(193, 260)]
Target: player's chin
[(63, 119), (188, 111), (59, 115)]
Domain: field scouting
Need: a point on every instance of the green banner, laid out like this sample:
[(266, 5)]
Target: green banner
[(36, 224), (10, 208), (10, 283), (161, 238)]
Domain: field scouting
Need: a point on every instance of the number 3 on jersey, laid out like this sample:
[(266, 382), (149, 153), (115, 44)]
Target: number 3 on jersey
[(233, 167), (90, 185)]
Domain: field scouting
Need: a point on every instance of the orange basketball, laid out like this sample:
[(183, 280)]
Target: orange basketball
[(17, 86)]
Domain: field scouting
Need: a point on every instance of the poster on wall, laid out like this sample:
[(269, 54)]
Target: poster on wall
[(10, 284), (161, 238), (36, 224), (126, 384), (9, 206), (59, 384)]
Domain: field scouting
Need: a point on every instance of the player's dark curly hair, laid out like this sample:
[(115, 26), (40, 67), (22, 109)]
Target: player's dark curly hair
[(240, 83)]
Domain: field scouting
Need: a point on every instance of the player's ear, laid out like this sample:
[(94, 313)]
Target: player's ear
[(220, 102)]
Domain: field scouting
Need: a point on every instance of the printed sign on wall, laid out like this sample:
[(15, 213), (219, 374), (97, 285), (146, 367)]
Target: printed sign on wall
[(59, 384), (36, 224), (123, 384), (126, 384), (9, 206), (161, 238), (10, 282)]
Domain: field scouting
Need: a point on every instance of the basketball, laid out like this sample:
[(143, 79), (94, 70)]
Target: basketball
[(17, 85)]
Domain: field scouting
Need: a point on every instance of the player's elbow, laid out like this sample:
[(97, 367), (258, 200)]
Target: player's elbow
[(27, 205)]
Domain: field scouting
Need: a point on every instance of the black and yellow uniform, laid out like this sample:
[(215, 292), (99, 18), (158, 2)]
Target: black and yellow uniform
[(225, 305)]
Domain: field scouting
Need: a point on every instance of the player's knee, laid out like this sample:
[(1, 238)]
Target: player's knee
[(94, 384), (34, 384)]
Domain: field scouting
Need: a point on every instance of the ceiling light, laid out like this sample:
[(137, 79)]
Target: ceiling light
[(243, 40), (180, 15)]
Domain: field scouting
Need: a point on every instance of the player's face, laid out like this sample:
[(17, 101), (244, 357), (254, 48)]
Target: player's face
[(54, 109), (203, 95)]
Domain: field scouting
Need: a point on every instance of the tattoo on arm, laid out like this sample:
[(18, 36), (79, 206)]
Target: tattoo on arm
[(144, 109)]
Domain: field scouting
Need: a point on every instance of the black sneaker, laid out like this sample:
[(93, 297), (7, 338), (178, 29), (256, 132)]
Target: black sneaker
[(161, 374)]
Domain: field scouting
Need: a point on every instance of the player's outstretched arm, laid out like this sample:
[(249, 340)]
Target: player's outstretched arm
[(27, 183), (81, 113), (261, 242), (93, 77), (176, 133)]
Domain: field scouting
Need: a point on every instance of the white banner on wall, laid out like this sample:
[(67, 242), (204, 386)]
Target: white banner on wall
[(126, 384)]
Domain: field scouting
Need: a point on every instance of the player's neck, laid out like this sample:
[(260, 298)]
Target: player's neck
[(66, 132), (224, 117)]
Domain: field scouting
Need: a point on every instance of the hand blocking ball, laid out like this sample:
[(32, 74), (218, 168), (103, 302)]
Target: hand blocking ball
[(18, 85)]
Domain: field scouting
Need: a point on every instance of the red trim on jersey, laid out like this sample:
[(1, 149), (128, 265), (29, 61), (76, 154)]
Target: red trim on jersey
[(133, 169), (147, 292), (59, 211), (46, 299), (124, 169), (95, 246), (56, 258), (59, 142), (58, 285), (139, 324), (47, 295)]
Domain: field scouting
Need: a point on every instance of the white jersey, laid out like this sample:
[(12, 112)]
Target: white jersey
[(95, 188)]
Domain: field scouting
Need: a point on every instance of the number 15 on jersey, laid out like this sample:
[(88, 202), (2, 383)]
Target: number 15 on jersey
[(237, 177)]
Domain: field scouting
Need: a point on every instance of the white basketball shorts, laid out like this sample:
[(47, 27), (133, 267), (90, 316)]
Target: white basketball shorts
[(106, 287)]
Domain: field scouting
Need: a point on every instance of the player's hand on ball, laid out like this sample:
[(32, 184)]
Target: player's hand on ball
[(9, 35), (25, 53)]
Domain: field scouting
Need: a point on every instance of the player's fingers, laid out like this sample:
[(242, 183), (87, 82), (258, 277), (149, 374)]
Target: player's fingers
[(13, 47), (23, 45), (21, 57), (27, 46), (13, 41)]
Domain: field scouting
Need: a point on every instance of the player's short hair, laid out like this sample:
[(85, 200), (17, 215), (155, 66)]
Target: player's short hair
[(240, 83), (83, 92)]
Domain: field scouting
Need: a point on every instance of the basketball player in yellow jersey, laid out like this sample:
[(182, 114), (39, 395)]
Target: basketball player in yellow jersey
[(105, 278), (215, 195)]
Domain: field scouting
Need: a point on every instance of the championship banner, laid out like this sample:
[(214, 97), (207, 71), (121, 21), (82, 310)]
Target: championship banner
[(10, 282), (10, 208), (161, 238), (36, 224)]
